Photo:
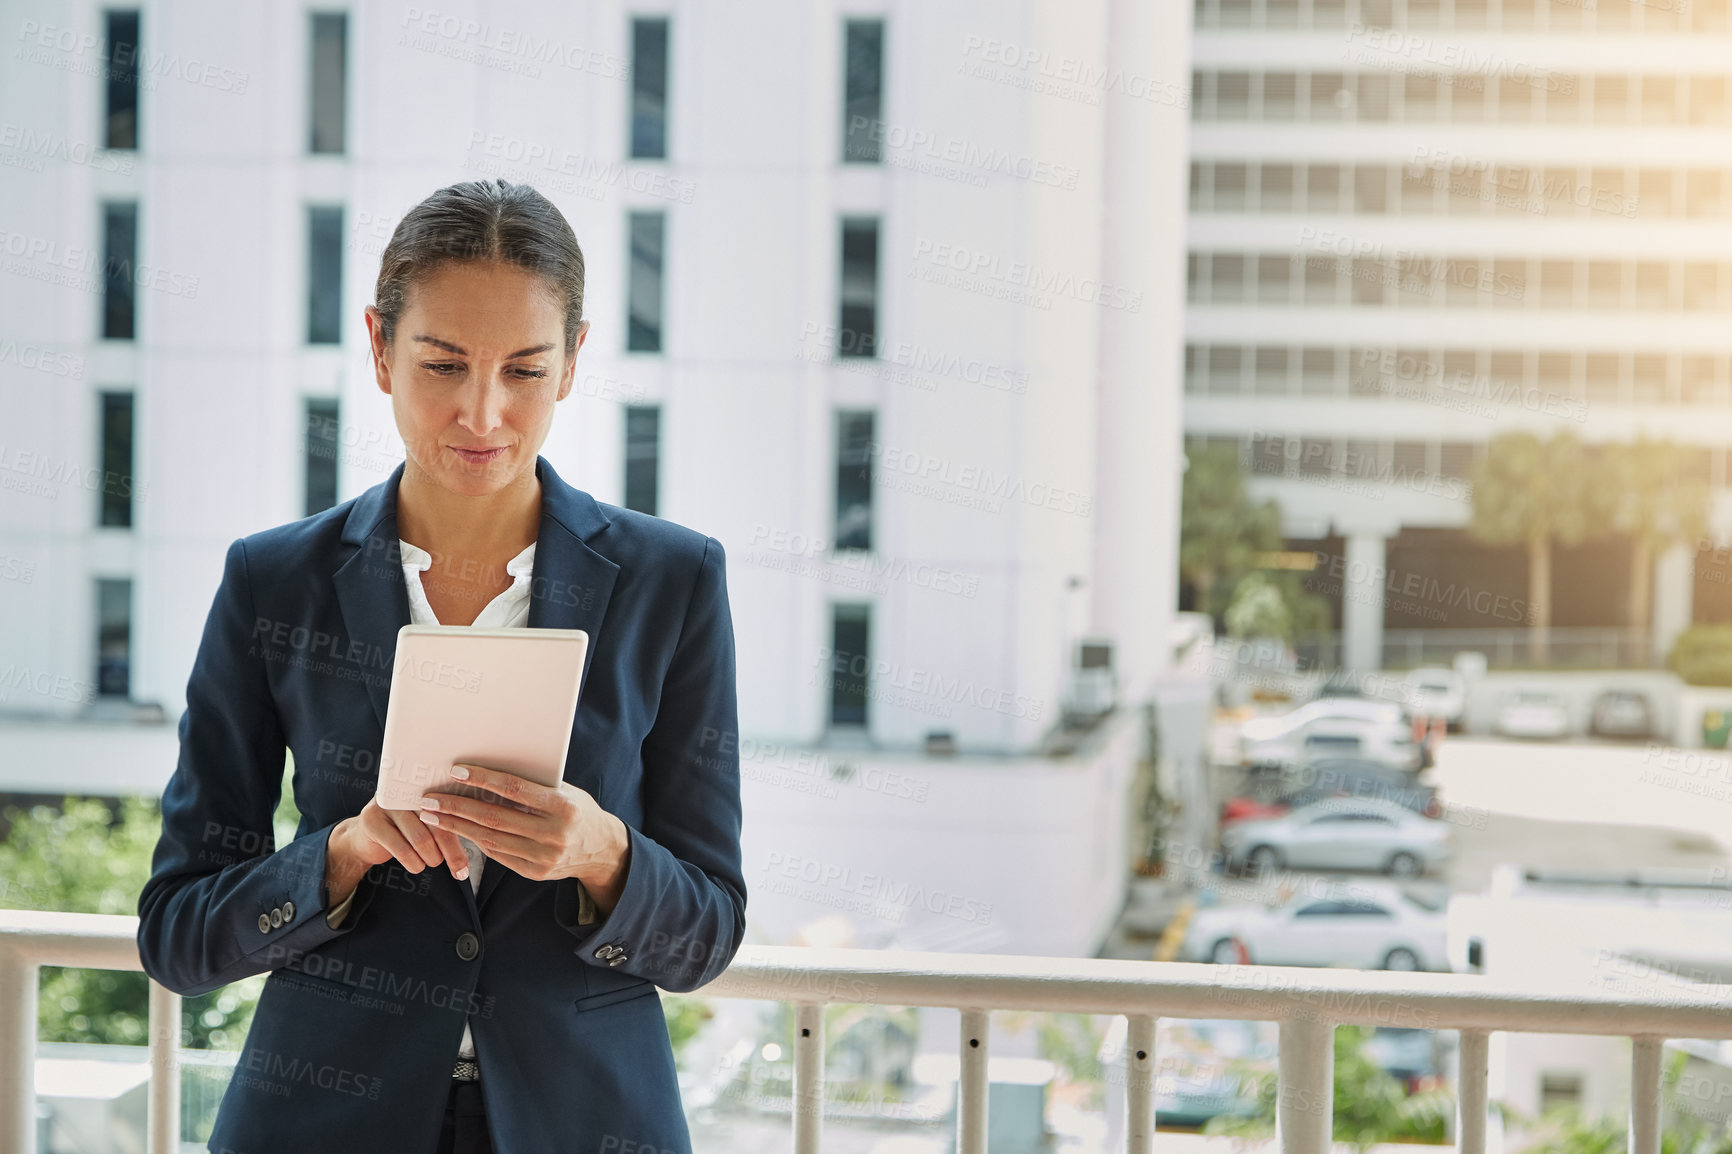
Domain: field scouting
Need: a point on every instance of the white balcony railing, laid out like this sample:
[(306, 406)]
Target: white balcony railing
[(1307, 1003)]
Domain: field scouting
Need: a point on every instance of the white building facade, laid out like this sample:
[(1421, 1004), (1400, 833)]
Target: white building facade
[(885, 297)]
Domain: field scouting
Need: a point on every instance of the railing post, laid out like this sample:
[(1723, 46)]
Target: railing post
[(1140, 1085), (1305, 1098), (163, 1126), (971, 1087), (808, 1076), (1645, 1094), (1474, 1072), (18, 979)]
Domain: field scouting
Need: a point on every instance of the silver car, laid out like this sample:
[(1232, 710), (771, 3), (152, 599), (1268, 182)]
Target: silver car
[(1339, 834)]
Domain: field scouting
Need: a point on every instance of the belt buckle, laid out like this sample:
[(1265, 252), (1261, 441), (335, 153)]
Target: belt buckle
[(466, 1070)]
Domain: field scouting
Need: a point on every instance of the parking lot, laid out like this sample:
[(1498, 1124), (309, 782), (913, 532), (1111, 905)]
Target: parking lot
[(1579, 805)]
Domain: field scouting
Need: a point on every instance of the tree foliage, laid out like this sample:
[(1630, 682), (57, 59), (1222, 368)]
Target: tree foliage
[(1649, 495), (1221, 530), (1224, 538)]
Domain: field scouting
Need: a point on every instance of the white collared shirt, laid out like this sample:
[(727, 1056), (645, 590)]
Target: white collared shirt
[(509, 609)]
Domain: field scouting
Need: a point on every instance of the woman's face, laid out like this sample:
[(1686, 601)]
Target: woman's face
[(473, 371)]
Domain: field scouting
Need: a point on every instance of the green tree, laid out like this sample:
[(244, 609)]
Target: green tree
[(1222, 532), (1533, 493), (1258, 609), (1370, 1105), (1649, 497)]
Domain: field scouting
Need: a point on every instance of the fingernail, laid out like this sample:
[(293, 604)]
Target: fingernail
[(429, 818), (459, 772), (429, 803), (463, 875)]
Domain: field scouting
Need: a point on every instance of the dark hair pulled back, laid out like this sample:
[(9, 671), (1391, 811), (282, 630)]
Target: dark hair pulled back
[(482, 220)]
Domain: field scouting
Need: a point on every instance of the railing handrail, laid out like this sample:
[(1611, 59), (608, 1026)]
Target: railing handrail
[(1308, 1004), (1202, 990), (899, 977)]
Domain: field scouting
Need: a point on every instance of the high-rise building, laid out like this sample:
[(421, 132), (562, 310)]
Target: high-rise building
[(1417, 224)]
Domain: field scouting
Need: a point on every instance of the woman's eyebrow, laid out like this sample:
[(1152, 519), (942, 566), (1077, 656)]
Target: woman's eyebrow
[(461, 351)]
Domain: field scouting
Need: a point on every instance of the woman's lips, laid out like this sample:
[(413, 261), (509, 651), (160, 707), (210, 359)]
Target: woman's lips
[(478, 456)]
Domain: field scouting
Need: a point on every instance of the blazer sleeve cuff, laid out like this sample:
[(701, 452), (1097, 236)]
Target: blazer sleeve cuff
[(291, 889)]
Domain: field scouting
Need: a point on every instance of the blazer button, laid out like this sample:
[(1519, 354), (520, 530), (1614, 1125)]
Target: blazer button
[(276, 917), (616, 959), (264, 923), (607, 951), (468, 945), (288, 911)]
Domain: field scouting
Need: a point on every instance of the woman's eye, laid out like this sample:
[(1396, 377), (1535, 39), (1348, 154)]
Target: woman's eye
[(530, 374), (441, 368)]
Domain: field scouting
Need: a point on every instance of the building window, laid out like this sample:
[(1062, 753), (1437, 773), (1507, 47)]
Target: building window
[(649, 89), (114, 637), (120, 125), (114, 498), (327, 81), (324, 274), (857, 334), (854, 480), (644, 293), (863, 92), (119, 258), (643, 451), (850, 664), (321, 454), (1560, 1088)]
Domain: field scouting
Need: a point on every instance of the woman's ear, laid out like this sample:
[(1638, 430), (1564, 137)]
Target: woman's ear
[(571, 362), (381, 351)]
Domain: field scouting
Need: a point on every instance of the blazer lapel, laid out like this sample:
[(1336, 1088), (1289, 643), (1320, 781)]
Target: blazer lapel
[(569, 589), (370, 589)]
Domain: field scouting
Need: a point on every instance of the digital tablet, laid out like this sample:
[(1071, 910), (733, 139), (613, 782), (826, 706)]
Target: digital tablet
[(503, 698)]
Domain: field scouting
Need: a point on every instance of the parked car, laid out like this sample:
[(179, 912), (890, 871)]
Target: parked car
[(1433, 691), (1339, 834), (1374, 741), (1410, 1055), (1533, 713), (1621, 713), (1332, 725), (1362, 926), (1313, 781)]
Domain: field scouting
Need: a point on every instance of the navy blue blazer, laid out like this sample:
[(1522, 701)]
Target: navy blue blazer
[(356, 1030)]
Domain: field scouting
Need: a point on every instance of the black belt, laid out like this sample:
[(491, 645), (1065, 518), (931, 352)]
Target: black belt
[(466, 1070)]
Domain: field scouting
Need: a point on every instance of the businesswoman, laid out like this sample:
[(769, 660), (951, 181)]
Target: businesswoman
[(480, 975)]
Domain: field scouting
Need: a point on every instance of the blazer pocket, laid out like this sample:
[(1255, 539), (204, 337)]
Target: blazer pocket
[(609, 997)]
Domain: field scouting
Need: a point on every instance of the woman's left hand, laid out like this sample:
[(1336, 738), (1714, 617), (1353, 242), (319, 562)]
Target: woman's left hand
[(542, 832)]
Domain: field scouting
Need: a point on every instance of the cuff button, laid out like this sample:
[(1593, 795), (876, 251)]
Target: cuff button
[(288, 911), (277, 917), (264, 923)]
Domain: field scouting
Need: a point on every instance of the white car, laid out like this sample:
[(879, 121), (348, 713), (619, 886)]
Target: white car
[(1360, 833), (1360, 926), (1433, 691), (1533, 713), (1282, 740), (1387, 745)]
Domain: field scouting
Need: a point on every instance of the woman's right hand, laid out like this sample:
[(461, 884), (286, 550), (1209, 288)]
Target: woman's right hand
[(375, 836)]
